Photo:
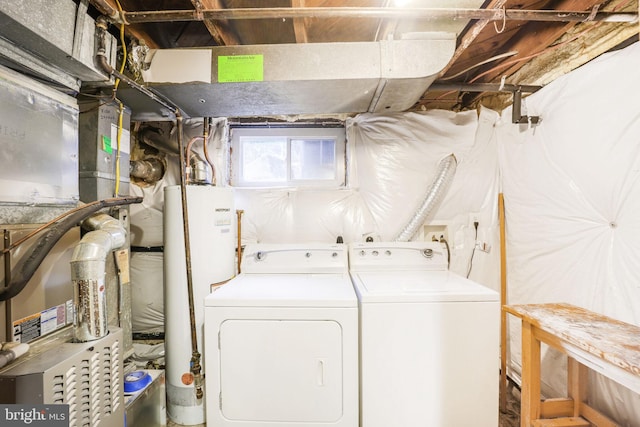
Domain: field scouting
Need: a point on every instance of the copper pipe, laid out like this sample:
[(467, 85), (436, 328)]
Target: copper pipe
[(196, 368), (379, 13), (239, 213)]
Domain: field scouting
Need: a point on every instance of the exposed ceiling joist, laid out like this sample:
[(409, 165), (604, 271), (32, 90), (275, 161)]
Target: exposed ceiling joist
[(299, 26), (221, 36)]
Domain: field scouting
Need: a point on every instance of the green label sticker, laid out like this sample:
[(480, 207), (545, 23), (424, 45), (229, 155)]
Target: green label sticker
[(240, 68), (106, 144)]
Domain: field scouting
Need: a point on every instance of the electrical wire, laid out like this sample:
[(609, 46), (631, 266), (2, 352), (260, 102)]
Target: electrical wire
[(473, 252), (486, 61), (443, 240), (517, 60), (548, 48), (121, 106)]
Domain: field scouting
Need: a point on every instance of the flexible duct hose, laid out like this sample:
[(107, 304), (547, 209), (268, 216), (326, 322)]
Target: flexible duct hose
[(28, 264), (444, 176)]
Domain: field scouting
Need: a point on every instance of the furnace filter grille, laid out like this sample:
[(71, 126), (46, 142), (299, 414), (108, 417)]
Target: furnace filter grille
[(86, 376), (98, 391)]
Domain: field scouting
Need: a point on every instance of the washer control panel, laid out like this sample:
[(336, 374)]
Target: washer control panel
[(397, 256)]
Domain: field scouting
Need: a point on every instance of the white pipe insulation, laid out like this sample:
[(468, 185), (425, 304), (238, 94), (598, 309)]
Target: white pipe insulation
[(88, 275), (435, 192)]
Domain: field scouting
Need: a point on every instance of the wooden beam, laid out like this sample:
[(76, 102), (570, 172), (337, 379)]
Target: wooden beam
[(554, 63), (577, 380), (533, 38), (530, 403), (218, 29), (556, 407), (299, 26), (470, 36)]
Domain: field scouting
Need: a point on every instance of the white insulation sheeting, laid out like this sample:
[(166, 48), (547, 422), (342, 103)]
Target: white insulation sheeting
[(392, 159), (572, 198)]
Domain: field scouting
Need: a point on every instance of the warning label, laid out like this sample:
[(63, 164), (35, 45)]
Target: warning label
[(39, 324)]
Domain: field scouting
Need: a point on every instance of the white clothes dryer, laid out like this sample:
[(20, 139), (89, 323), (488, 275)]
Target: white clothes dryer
[(281, 341), (429, 339)]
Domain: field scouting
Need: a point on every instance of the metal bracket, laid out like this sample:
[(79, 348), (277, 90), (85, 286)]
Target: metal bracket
[(516, 90), (516, 110)]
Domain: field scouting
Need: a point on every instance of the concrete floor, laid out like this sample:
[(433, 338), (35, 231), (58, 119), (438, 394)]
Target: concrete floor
[(509, 417)]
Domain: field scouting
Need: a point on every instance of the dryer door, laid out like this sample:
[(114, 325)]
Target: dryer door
[(281, 370)]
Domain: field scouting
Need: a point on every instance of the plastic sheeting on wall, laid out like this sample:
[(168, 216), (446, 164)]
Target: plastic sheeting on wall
[(391, 161), (572, 197)]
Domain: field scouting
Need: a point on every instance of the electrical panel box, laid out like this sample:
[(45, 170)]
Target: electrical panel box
[(103, 159)]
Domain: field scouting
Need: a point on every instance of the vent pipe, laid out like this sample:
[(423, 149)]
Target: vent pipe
[(88, 275), (435, 192)]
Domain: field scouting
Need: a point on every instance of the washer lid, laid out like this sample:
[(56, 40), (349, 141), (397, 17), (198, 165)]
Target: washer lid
[(285, 290), (419, 286)]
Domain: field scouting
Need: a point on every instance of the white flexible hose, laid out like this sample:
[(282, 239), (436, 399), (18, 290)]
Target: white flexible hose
[(435, 192)]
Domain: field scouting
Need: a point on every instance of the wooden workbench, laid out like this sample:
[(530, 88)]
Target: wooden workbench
[(591, 341)]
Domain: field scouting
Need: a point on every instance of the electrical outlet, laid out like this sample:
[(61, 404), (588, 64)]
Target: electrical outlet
[(434, 232)]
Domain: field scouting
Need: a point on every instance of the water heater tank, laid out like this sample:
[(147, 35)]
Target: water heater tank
[(211, 217)]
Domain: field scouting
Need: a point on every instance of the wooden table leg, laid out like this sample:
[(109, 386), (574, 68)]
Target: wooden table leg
[(577, 377), (530, 399)]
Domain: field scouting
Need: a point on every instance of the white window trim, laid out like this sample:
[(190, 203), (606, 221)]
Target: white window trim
[(336, 133)]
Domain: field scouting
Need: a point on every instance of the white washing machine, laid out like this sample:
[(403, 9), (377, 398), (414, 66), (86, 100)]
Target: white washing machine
[(429, 339), (281, 341)]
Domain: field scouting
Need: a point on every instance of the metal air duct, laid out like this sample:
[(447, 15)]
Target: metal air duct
[(88, 275), (312, 78)]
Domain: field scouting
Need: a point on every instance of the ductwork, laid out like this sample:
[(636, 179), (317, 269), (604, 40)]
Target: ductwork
[(30, 262), (149, 170), (306, 78), (435, 192), (88, 275)]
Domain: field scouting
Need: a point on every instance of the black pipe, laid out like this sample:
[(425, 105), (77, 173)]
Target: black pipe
[(155, 139), (28, 264)]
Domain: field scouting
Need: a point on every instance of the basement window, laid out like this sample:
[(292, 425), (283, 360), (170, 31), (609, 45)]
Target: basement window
[(288, 156)]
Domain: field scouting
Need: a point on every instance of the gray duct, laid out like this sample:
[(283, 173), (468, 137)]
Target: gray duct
[(150, 170), (88, 275), (435, 192)]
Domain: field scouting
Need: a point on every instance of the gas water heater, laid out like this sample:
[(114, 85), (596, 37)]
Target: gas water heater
[(211, 218)]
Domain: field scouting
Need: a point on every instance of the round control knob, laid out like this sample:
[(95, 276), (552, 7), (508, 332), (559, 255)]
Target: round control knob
[(428, 253)]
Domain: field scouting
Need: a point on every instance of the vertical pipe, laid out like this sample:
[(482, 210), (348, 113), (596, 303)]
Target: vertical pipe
[(7, 280), (503, 302), (196, 369), (239, 213)]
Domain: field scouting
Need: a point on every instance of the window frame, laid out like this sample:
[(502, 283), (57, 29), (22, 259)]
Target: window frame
[(336, 133)]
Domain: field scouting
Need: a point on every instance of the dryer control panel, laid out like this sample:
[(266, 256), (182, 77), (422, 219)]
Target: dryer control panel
[(398, 256), (294, 258)]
